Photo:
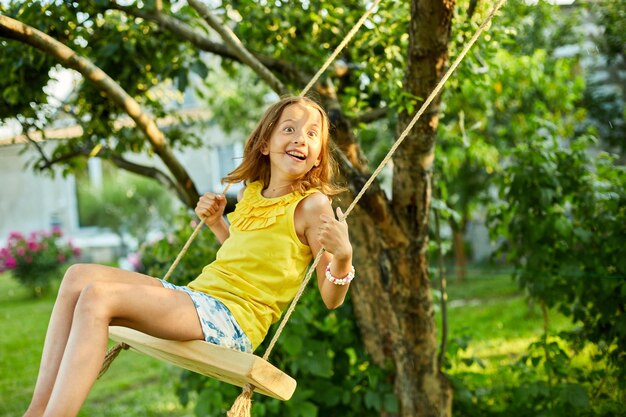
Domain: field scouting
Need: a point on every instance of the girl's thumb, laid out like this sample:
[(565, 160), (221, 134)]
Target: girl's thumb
[(340, 215)]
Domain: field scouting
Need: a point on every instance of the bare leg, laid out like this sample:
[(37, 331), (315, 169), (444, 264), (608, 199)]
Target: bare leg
[(65, 317)]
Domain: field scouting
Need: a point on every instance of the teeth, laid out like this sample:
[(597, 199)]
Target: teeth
[(298, 155)]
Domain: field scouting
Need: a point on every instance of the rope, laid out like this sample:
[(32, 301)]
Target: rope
[(425, 105), (339, 48), (183, 251)]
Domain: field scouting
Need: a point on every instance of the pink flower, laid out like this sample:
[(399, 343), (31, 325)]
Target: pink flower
[(42, 251), (56, 231), (16, 236), (135, 260), (10, 262)]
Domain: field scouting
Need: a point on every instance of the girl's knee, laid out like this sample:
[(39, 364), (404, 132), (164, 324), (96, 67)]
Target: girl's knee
[(76, 278), (92, 300)]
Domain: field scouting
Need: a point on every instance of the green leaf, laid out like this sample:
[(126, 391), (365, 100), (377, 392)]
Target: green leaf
[(574, 395), (306, 409), (390, 403), (563, 227), (292, 344), (182, 81), (200, 68), (373, 400)]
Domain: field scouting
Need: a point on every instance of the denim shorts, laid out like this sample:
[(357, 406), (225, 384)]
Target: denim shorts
[(218, 324)]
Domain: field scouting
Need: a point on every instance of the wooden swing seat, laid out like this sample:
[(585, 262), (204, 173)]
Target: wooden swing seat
[(233, 367)]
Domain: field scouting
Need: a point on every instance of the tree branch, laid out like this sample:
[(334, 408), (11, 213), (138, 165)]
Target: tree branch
[(203, 42), (107, 154), (13, 29), (32, 141), (471, 9), (238, 48), (370, 116), (179, 28), (149, 172)]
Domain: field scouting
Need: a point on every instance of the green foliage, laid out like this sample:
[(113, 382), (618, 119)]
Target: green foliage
[(37, 261), (25, 70), (510, 85), (560, 212), (563, 218), (612, 17), (498, 370), (542, 381), (302, 34), (605, 95), (235, 109)]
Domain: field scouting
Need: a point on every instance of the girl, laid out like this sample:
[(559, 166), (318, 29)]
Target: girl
[(283, 217)]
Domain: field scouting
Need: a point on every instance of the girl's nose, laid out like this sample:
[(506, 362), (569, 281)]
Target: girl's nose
[(298, 138)]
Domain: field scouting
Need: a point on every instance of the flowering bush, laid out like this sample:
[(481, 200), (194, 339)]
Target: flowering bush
[(35, 261)]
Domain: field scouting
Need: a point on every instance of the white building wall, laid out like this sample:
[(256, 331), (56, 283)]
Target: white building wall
[(32, 202)]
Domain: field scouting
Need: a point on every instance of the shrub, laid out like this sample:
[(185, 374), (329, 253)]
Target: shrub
[(37, 260)]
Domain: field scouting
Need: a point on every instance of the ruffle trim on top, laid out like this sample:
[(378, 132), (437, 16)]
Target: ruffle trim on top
[(256, 212)]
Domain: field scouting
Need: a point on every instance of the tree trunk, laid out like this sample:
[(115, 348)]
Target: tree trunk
[(422, 389), (392, 297)]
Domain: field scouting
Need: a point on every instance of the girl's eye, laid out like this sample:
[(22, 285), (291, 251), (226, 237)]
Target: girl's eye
[(313, 134), (288, 129)]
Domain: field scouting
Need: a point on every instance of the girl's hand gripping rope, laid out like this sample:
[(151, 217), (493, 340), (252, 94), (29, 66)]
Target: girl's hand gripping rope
[(210, 208), (333, 235)]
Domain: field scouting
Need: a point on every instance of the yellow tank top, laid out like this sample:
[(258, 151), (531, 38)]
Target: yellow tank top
[(259, 268)]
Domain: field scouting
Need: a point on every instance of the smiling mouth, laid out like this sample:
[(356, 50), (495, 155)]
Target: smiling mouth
[(299, 156)]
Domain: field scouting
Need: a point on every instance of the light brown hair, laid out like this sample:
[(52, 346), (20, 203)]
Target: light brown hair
[(256, 166)]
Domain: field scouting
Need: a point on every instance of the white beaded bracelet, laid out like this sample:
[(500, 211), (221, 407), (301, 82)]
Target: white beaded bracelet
[(339, 281)]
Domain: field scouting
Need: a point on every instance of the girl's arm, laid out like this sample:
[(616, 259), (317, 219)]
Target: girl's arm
[(322, 229)]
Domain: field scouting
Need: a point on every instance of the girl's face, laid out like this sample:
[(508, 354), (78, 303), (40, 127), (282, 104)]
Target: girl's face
[(295, 143)]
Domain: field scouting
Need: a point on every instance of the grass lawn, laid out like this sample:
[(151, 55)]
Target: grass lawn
[(494, 322), (135, 385), (492, 314)]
